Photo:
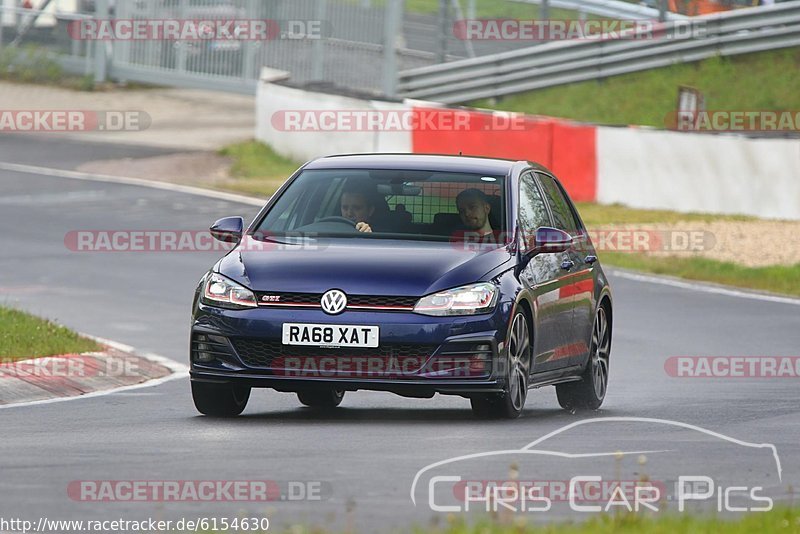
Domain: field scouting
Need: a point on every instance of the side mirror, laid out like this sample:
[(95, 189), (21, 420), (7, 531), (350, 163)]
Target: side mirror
[(548, 239), (228, 229)]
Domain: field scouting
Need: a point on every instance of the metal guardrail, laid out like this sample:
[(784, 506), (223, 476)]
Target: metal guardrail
[(557, 63)]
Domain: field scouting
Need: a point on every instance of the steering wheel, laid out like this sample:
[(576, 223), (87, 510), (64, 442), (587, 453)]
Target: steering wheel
[(337, 219)]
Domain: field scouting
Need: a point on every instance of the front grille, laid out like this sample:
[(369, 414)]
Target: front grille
[(379, 301), (312, 300), (263, 353), (290, 298)]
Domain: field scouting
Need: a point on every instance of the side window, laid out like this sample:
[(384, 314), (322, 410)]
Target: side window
[(563, 217), (532, 210)]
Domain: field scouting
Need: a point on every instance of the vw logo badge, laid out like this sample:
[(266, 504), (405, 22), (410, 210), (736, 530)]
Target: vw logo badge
[(333, 302)]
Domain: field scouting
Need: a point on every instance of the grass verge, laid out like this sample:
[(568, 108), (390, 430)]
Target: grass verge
[(649, 97), (256, 168), (779, 520), (775, 278), (24, 336), (601, 215), (486, 9)]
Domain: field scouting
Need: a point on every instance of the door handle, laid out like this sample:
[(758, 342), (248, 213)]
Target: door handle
[(590, 259), (567, 265)]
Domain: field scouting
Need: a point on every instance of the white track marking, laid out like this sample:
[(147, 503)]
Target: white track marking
[(704, 288), (76, 175)]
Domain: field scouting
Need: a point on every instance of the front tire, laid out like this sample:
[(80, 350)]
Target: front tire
[(219, 400), (590, 391), (510, 403), (321, 398)]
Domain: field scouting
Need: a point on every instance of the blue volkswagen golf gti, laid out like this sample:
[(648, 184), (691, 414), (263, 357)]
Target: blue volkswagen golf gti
[(412, 274)]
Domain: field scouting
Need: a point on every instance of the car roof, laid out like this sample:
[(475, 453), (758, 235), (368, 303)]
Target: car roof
[(428, 162)]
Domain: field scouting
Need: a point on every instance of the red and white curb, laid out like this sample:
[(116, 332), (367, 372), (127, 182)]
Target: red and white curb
[(116, 369)]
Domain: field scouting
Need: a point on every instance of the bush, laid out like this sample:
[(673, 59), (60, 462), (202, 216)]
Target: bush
[(30, 64)]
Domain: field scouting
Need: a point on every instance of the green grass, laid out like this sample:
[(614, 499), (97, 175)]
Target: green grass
[(256, 168), (783, 520), (778, 521), (34, 64), (594, 215), (24, 336), (486, 9), (775, 279), (760, 81), (495, 9)]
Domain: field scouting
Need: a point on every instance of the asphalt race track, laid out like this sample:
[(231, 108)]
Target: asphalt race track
[(367, 452)]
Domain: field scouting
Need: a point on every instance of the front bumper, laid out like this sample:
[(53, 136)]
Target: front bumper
[(418, 355)]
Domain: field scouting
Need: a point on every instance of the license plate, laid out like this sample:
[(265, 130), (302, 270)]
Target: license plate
[(330, 335)]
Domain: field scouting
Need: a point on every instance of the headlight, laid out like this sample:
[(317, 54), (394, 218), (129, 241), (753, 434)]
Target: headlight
[(467, 300), (225, 293)]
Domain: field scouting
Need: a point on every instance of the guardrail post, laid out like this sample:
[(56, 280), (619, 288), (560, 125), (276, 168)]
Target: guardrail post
[(393, 13), (101, 55)]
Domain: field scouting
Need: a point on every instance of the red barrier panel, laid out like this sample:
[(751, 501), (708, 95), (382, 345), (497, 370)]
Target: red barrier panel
[(568, 149), (574, 159)]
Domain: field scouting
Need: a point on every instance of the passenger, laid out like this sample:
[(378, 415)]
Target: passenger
[(474, 209)]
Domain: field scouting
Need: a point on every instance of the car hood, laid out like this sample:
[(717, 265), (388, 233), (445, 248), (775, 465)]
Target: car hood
[(358, 266)]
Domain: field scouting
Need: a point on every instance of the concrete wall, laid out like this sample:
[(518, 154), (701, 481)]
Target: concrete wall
[(637, 167), (274, 101), (699, 172)]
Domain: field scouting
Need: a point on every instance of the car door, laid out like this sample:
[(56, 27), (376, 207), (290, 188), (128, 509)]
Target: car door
[(543, 279), (578, 275)]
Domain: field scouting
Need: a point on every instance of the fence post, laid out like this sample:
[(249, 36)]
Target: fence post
[(443, 16), (318, 45), (182, 49), (101, 55), (248, 46), (393, 13)]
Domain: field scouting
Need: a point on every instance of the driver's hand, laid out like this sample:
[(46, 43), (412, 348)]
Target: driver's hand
[(363, 227)]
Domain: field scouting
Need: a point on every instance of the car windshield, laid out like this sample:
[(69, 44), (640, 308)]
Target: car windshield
[(398, 204)]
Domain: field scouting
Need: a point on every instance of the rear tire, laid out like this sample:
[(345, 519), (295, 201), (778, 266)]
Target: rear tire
[(321, 398), (510, 403), (220, 400), (590, 391)]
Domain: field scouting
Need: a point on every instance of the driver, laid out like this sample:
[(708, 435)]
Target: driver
[(358, 205)]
